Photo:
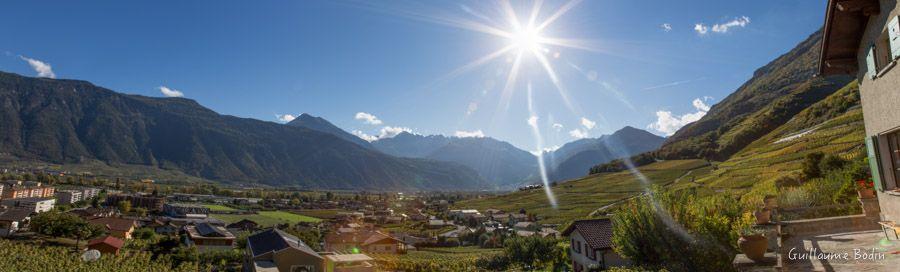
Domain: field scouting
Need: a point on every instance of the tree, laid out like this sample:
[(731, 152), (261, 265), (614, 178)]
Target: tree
[(811, 163), (58, 224), (124, 206), (140, 211)]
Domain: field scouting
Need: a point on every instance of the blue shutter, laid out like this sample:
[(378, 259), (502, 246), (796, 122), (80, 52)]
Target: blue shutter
[(894, 37), (872, 150), (870, 62)]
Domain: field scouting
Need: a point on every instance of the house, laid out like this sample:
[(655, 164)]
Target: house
[(118, 227), (862, 39), (162, 227), (275, 250), (11, 220), (68, 196), (208, 237), (25, 189), (106, 245), (243, 225), (436, 223), (35, 204), (366, 240), (357, 262), (591, 245), (526, 225), (185, 210)]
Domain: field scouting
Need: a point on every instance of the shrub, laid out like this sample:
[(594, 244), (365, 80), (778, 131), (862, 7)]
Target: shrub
[(811, 164)]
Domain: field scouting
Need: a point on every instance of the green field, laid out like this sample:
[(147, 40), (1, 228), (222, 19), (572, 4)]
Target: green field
[(578, 198), (219, 208), (266, 218)]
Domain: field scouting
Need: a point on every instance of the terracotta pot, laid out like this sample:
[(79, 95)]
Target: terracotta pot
[(771, 202), (754, 246), (866, 193), (763, 216)]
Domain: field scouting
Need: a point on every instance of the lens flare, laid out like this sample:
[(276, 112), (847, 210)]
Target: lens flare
[(539, 143)]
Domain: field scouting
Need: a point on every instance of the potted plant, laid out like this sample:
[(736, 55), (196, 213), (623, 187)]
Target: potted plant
[(753, 243), (763, 215), (865, 188)]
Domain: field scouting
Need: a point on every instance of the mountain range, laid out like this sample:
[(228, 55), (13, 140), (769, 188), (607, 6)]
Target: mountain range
[(71, 122)]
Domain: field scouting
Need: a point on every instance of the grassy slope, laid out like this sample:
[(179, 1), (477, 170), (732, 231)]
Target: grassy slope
[(751, 172), (578, 198), (266, 218)]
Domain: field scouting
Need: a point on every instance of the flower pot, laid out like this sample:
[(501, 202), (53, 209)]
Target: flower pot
[(754, 246), (771, 202), (866, 193), (763, 216)]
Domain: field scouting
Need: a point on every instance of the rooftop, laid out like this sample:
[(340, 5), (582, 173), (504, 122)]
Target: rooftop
[(597, 233)]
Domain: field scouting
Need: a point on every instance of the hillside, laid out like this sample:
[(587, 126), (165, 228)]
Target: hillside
[(76, 122), (833, 126), (724, 131)]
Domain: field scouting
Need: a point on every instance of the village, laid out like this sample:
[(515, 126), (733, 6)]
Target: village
[(310, 231)]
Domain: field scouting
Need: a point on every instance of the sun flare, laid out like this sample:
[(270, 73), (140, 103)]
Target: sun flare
[(527, 38)]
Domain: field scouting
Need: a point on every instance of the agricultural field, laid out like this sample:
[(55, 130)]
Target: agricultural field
[(267, 218), (435, 259), (53, 258), (578, 198)]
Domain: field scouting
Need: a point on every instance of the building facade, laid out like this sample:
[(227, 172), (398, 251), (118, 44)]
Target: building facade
[(591, 245), (68, 196), (25, 189), (862, 38), (34, 204)]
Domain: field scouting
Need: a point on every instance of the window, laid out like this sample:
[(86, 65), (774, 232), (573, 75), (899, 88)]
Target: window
[(885, 50), (592, 254), (578, 246), (893, 142)]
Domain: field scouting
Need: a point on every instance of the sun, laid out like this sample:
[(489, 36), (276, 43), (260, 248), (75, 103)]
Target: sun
[(527, 38)]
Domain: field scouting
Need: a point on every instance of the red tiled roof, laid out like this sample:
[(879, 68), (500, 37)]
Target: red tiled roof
[(597, 233), (109, 240), (113, 223)]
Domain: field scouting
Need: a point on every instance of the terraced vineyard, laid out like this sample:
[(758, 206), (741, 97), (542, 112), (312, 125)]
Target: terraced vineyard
[(578, 198), (435, 259), (833, 125)]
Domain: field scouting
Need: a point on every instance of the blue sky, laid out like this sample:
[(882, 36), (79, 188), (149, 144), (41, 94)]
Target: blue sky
[(645, 64)]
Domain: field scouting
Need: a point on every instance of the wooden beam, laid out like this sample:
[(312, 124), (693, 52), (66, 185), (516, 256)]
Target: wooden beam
[(868, 7), (842, 63)]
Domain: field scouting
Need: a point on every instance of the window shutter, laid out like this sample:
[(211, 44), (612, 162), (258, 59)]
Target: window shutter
[(870, 62), (872, 150), (894, 37)]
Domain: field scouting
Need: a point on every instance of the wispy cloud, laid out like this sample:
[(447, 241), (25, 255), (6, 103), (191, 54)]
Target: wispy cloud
[(737, 22), (285, 117), (672, 84), (168, 92), (469, 134), (364, 136), (701, 28), (390, 132), (368, 118), (742, 21), (666, 27), (578, 133), (43, 69), (668, 124)]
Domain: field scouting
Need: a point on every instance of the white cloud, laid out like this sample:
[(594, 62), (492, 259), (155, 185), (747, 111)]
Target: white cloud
[(578, 133), (588, 124), (469, 134), (389, 132), (532, 121), (42, 68), (668, 124), (364, 136), (170, 92), (368, 118), (737, 22), (666, 27), (701, 28), (285, 117), (557, 126)]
